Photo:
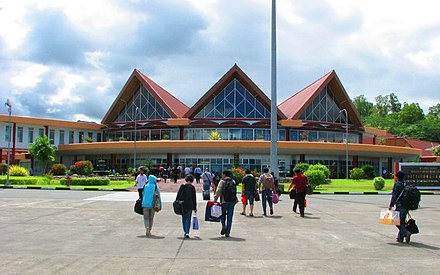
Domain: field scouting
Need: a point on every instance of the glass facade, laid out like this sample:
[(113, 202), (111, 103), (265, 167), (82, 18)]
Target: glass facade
[(321, 136), (231, 133), (142, 106), (30, 135), (20, 134), (61, 137), (234, 101), (324, 109)]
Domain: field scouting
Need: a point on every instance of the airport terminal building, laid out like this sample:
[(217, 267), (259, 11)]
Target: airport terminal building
[(229, 124)]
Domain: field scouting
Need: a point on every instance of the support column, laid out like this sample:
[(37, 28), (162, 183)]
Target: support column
[(355, 161), (302, 158)]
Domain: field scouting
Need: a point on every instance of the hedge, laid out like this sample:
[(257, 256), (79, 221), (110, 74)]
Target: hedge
[(86, 181), (18, 181)]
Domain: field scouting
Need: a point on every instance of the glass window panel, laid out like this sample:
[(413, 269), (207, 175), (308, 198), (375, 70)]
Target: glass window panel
[(293, 135), (30, 135), (19, 134)]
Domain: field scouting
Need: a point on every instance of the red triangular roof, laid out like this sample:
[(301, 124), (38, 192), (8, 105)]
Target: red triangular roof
[(174, 107), (295, 105), (234, 72)]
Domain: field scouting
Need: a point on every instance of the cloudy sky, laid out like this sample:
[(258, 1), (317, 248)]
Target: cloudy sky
[(70, 59)]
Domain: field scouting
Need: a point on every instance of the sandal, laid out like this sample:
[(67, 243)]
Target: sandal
[(244, 214)]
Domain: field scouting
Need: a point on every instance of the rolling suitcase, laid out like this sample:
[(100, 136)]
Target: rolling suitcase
[(206, 195)]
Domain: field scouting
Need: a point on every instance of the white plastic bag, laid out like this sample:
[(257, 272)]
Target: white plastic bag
[(195, 222), (389, 217), (216, 210)]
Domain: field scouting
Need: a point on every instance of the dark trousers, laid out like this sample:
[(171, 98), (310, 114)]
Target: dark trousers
[(299, 199), (141, 193)]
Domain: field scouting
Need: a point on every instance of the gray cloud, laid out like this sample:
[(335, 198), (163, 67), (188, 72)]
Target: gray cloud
[(54, 40)]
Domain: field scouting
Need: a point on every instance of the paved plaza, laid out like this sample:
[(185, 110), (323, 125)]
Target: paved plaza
[(97, 232)]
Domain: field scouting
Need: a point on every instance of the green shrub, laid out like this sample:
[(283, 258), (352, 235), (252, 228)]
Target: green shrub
[(18, 171), (303, 166), (321, 167), (357, 174), (59, 169), (82, 167), (86, 181), (20, 181), (379, 183), (369, 171), (315, 177)]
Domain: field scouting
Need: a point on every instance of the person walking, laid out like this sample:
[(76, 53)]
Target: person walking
[(207, 179), (266, 188), (227, 192), (197, 173), (249, 185), (187, 194), (141, 180), (299, 182), (151, 193), (395, 201)]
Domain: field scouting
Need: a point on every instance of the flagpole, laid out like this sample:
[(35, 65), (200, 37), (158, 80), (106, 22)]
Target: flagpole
[(273, 98)]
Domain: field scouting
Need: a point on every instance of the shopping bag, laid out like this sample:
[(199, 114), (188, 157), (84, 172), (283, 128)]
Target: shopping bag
[(208, 216), (243, 199), (275, 198), (216, 211), (411, 225), (195, 222), (138, 207), (305, 203), (389, 217)]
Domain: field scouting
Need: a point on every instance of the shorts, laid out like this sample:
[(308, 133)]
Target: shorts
[(250, 196)]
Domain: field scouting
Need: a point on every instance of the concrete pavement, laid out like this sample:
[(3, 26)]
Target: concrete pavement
[(69, 232)]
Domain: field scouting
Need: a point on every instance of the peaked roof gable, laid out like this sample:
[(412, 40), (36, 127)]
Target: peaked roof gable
[(234, 73), (174, 107), (295, 105)]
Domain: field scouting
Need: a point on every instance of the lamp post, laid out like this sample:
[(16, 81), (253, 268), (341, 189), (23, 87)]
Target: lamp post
[(9, 105), (135, 136), (346, 141)]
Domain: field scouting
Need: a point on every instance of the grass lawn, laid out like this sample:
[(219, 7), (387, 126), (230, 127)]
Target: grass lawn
[(343, 185), (45, 182)]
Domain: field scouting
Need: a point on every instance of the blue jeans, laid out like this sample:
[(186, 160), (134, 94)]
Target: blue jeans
[(227, 214), (266, 195), (186, 221), (402, 229)]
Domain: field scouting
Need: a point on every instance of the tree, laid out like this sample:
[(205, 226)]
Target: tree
[(382, 105), (436, 152), (411, 113), (395, 105), (42, 151), (363, 106), (434, 112)]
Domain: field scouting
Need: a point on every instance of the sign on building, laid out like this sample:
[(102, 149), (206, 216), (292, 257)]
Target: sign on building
[(422, 175)]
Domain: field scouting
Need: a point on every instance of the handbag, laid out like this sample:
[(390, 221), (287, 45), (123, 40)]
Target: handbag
[(156, 201), (257, 196), (389, 217), (138, 207), (309, 189), (243, 199), (195, 222), (292, 194), (275, 198), (178, 207), (411, 225)]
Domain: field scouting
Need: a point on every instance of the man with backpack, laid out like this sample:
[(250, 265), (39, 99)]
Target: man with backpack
[(249, 184), (266, 188), (227, 192), (398, 199)]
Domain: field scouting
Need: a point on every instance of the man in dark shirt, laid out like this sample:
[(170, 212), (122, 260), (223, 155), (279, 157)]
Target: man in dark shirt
[(249, 190)]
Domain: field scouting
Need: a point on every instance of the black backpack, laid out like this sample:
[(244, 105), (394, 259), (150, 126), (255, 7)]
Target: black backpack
[(410, 197), (229, 193)]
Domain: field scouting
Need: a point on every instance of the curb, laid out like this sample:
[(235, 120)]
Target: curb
[(127, 190)]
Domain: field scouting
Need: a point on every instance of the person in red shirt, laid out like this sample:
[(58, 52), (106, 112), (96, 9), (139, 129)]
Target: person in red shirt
[(299, 181)]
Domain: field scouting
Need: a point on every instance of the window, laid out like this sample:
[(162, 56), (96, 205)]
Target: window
[(41, 132), (7, 133), (52, 136), (71, 137), (234, 101), (20, 134), (98, 137), (61, 137), (30, 135), (81, 137)]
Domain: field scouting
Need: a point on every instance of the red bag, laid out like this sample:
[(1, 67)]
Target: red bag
[(305, 203), (243, 199)]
